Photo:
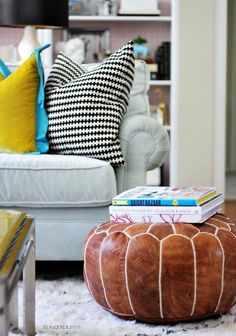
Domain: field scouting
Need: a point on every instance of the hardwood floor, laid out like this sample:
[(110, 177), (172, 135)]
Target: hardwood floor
[(229, 208)]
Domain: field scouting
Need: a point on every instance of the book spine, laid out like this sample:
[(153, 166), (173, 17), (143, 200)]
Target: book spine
[(167, 63), (125, 217), (153, 202), (162, 58), (155, 210), (136, 202), (139, 218), (160, 62), (181, 202)]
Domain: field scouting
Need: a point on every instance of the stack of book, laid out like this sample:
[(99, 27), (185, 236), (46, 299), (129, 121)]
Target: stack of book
[(165, 204), (163, 60)]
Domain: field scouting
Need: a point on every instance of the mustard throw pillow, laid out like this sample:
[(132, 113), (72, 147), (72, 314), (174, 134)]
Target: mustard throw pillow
[(23, 120), (17, 109)]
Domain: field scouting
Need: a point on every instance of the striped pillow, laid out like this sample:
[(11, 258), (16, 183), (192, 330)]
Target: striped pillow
[(85, 108)]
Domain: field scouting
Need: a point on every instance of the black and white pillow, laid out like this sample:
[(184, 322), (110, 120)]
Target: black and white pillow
[(85, 108)]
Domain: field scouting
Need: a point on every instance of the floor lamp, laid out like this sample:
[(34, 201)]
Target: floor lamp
[(31, 14)]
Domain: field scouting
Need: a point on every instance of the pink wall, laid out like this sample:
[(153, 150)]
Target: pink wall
[(154, 32), (120, 33), (10, 36)]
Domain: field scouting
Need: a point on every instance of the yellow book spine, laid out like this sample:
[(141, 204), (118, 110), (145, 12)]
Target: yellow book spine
[(206, 197), (120, 202)]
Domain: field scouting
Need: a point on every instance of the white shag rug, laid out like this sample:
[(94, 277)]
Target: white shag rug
[(65, 307)]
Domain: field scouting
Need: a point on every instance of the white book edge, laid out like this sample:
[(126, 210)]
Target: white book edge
[(162, 218)]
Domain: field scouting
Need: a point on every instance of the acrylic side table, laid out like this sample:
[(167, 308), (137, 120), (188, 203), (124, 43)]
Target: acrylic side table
[(17, 256)]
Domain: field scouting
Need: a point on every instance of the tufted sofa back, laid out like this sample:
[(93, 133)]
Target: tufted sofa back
[(138, 97)]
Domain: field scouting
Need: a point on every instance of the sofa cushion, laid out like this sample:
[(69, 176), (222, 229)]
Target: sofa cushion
[(23, 119), (55, 181), (85, 113)]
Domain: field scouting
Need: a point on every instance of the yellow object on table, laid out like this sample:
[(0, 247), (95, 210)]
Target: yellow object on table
[(162, 109), (7, 220), (17, 256)]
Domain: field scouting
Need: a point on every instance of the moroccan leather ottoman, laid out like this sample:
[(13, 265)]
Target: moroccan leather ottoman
[(163, 272)]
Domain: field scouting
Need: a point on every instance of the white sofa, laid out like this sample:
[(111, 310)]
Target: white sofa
[(68, 195)]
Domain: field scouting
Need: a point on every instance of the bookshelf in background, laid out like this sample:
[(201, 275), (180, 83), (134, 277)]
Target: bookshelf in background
[(157, 31)]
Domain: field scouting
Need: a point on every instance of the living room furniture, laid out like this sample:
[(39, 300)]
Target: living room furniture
[(17, 255), (163, 272), (68, 194)]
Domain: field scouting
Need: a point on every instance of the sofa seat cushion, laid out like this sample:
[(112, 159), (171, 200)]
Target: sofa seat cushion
[(55, 181)]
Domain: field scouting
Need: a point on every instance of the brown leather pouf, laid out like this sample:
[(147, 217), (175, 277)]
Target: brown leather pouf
[(162, 272)]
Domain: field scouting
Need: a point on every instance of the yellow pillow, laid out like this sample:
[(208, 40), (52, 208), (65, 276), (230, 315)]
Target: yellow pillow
[(1, 77), (18, 94)]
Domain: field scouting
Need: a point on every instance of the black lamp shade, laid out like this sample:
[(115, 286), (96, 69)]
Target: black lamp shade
[(38, 13)]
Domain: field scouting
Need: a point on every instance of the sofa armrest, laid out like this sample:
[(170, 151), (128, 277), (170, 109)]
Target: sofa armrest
[(145, 144)]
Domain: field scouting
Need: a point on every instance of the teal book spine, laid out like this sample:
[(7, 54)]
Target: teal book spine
[(180, 202), (154, 202), (144, 202)]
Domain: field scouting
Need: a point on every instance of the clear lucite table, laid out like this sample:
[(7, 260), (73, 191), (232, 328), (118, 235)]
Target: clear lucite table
[(17, 256)]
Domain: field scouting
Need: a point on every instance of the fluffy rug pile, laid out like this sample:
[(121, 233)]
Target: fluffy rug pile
[(64, 307)]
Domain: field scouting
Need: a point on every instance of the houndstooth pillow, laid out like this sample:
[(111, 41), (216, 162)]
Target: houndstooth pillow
[(85, 108)]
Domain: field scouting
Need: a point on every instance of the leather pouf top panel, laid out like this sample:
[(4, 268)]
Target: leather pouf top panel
[(163, 272)]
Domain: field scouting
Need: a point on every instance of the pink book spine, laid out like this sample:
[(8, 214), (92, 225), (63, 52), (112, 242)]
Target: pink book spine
[(123, 217), (130, 218)]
